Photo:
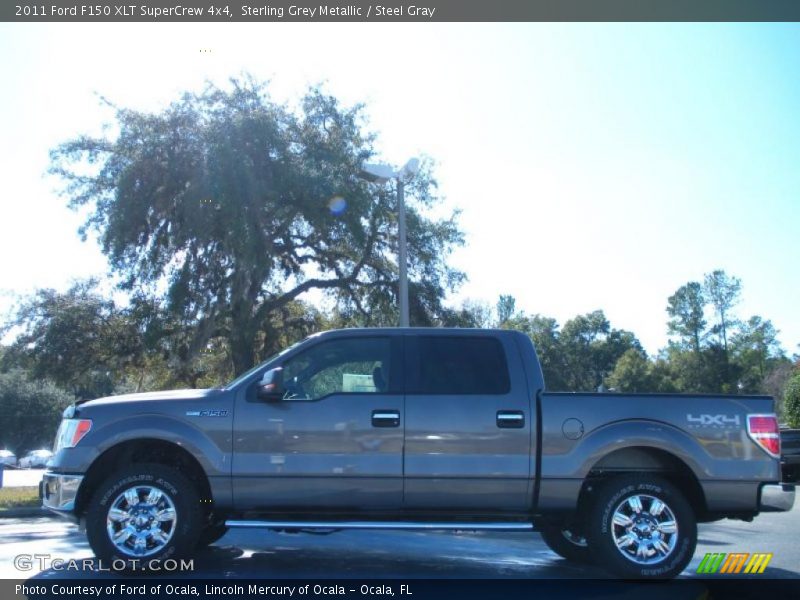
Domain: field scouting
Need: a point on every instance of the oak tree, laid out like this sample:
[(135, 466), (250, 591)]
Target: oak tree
[(228, 206)]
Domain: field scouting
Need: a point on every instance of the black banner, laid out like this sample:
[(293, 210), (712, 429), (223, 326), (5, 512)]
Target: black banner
[(401, 11), (412, 589)]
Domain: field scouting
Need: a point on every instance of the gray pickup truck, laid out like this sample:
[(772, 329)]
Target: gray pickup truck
[(415, 429)]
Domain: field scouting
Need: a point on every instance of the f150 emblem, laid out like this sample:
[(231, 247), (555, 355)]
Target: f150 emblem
[(713, 420), (213, 412)]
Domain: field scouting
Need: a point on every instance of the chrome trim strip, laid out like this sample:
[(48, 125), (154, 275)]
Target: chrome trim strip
[(499, 526), (386, 415), (502, 417)]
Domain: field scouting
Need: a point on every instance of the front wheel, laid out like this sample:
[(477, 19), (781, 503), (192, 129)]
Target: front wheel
[(147, 512), (641, 527)]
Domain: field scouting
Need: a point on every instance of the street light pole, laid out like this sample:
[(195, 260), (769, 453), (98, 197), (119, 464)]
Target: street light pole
[(381, 173), (402, 253)]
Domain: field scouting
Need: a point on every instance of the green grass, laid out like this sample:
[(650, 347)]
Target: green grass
[(15, 497)]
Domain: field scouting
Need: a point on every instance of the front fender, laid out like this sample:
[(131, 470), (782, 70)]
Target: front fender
[(210, 448)]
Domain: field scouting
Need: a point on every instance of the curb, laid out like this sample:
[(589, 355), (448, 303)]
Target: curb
[(24, 511)]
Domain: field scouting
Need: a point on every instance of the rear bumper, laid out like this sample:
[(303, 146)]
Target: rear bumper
[(776, 497), (58, 492)]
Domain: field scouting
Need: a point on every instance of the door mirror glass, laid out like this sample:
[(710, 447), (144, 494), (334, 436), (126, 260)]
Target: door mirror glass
[(270, 387)]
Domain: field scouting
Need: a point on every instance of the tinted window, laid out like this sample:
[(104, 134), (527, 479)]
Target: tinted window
[(462, 365), (352, 365)]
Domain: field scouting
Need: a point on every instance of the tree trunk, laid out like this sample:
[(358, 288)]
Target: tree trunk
[(242, 353)]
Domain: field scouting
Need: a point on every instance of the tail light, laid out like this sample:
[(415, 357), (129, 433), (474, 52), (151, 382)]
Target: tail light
[(763, 430)]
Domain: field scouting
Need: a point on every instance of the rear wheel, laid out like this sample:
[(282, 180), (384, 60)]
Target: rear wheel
[(641, 527), (568, 541)]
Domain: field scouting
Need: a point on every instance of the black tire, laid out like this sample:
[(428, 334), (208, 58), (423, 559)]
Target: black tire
[(163, 538), (650, 529), (211, 534), (568, 542)]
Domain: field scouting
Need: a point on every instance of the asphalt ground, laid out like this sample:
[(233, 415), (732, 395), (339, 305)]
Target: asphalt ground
[(256, 554)]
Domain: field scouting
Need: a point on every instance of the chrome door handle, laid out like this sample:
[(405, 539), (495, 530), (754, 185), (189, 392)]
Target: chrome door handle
[(385, 418), (510, 419)]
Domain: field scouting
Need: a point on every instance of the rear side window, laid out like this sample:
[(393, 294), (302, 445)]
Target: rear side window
[(461, 366)]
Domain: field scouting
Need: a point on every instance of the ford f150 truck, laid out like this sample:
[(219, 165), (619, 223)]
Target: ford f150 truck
[(415, 429)]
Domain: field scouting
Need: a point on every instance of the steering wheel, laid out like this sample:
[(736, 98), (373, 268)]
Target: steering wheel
[(295, 391)]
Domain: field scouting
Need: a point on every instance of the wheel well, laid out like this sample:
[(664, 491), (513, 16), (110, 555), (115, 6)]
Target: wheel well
[(143, 451), (647, 460)]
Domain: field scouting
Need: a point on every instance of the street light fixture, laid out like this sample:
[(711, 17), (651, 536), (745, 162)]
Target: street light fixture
[(381, 173)]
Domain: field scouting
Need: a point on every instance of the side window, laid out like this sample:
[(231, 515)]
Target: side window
[(354, 365), (462, 365)]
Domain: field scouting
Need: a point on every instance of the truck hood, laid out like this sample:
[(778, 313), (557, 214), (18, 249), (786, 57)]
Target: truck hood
[(171, 395)]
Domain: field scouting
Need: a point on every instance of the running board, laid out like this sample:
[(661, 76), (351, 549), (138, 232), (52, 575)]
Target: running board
[(512, 526)]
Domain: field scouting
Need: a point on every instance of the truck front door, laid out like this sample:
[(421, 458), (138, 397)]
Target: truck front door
[(334, 441)]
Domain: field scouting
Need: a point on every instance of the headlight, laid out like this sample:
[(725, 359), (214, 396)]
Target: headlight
[(70, 432)]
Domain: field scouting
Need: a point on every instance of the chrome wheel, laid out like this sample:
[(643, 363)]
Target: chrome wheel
[(141, 520), (644, 529)]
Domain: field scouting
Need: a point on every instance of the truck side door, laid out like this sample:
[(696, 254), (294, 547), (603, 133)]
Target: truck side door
[(334, 441), (468, 441)]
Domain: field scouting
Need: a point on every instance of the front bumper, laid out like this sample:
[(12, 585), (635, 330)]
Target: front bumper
[(776, 497), (58, 492)]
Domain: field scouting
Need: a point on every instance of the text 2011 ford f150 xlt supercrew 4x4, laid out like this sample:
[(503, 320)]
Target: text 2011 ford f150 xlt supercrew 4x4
[(416, 428)]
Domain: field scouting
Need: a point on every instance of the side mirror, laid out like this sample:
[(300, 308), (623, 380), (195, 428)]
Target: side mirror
[(270, 388)]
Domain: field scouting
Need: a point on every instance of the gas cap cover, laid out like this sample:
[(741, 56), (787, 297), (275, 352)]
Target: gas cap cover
[(572, 429)]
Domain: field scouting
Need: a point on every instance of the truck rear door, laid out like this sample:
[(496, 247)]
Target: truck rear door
[(468, 423)]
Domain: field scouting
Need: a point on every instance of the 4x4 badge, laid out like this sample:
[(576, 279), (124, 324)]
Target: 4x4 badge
[(713, 420)]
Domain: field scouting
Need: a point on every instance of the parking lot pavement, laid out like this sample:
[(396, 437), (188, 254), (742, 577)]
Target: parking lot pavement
[(392, 554), (252, 553), (22, 477)]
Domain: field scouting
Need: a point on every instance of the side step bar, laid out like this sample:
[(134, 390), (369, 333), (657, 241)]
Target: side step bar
[(511, 526)]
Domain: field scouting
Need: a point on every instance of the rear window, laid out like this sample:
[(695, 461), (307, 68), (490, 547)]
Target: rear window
[(461, 366)]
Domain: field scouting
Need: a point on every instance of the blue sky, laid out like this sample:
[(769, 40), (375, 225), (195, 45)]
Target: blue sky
[(596, 165)]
